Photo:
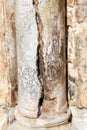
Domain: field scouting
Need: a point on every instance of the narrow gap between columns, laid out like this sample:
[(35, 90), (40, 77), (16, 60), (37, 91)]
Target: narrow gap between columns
[(66, 40), (39, 62)]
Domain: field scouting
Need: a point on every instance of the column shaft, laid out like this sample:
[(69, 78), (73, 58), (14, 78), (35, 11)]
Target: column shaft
[(41, 52), (51, 27), (29, 89)]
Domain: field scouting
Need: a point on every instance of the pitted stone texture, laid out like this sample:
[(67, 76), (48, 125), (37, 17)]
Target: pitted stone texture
[(27, 45), (77, 53), (41, 56)]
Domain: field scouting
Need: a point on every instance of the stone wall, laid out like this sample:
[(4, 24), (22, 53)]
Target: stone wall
[(8, 65), (77, 58), (43, 69)]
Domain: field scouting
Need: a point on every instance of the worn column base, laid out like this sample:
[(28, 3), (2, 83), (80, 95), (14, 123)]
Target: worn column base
[(42, 121), (28, 113), (17, 126)]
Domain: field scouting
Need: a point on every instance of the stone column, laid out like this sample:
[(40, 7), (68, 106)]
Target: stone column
[(29, 88), (51, 26), (41, 58), (77, 58)]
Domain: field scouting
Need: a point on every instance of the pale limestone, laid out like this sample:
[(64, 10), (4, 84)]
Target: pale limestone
[(18, 126), (3, 119), (29, 88), (41, 62), (79, 119), (4, 85)]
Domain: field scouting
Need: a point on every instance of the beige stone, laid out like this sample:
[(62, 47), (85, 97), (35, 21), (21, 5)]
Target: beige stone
[(77, 53), (7, 61), (8, 67), (4, 86)]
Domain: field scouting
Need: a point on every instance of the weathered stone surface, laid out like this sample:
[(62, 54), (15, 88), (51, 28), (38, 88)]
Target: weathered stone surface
[(11, 40), (43, 121), (3, 119), (18, 126), (40, 39), (79, 119), (41, 61), (11, 115), (77, 53), (27, 45), (7, 54), (7, 61), (4, 86), (51, 27)]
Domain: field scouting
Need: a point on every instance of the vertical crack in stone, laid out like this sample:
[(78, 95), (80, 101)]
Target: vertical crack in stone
[(40, 60), (66, 37)]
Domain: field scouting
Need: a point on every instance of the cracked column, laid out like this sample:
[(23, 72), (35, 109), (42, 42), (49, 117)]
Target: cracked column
[(40, 33), (51, 26)]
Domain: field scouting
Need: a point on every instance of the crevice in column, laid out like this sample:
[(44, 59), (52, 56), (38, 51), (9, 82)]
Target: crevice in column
[(67, 75), (66, 37), (40, 60)]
